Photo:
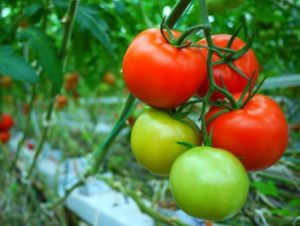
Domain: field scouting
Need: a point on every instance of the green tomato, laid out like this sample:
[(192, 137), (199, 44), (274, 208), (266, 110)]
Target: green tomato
[(154, 140), (209, 183)]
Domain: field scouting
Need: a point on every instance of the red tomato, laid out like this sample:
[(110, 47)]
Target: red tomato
[(160, 74), (4, 136), (61, 101), (233, 81), (257, 134), (6, 122), (71, 81)]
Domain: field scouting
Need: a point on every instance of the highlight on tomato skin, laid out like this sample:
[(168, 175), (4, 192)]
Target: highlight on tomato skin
[(224, 75), (257, 133), (158, 73)]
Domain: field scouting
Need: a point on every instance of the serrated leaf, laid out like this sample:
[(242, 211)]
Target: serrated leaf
[(46, 53), (15, 66)]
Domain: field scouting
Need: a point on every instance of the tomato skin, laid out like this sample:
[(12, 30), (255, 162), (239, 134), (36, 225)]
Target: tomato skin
[(234, 82), (153, 140), (109, 78), (4, 136), (6, 122), (61, 101), (71, 81), (160, 74), (209, 183), (257, 134)]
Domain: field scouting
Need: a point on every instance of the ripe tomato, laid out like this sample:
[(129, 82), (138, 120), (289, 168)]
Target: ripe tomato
[(109, 78), (4, 136), (6, 122), (61, 101), (209, 183), (71, 81), (154, 136), (160, 74), (5, 81), (223, 74), (257, 134)]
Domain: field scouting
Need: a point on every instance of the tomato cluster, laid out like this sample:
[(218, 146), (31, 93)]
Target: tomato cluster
[(206, 182), (6, 123)]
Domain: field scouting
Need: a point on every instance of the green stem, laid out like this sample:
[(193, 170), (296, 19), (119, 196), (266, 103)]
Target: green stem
[(26, 130), (190, 31), (42, 140), (144, 208), (99, 155), (177, 12), (102, 151), (69, 19)]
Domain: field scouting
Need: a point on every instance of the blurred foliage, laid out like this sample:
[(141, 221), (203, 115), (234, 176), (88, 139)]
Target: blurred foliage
[(31, 37), (104, 30)]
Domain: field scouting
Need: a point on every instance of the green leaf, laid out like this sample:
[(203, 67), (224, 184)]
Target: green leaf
[(32, 9), (46, 52), (88, 18), (15, 66), (267, 188), (281, 82)]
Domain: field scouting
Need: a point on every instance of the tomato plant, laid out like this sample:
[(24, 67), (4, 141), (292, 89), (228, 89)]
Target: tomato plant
[(154, 139), (209, 183), (4, 136), (220, 6), (6, 122), (109, 78), (257, 134), (61, 101), (71, 81), (158, 73), (224, 75)]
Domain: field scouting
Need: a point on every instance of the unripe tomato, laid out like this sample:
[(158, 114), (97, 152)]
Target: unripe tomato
[(160, 74), (6, 122), (109, 78), (223, 74), (154, 136), (257, 134), (4, 136), (209, 183), (71, 81), (61, 101)]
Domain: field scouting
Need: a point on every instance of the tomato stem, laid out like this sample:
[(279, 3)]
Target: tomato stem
[(68, 26), (100, 154), (179, 9), (26, 129)]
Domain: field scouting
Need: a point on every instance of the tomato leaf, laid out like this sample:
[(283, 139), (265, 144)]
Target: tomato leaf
[(15, 66), (46, 54), (88, 18)]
